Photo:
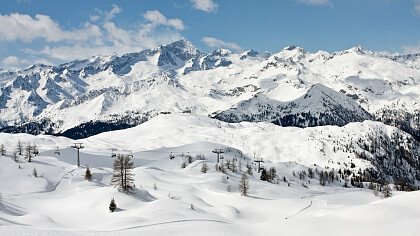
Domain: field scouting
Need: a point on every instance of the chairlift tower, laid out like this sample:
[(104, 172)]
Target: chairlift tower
[(113, 154), (218, 151), (259, 160), (130, 154), (78, 146)]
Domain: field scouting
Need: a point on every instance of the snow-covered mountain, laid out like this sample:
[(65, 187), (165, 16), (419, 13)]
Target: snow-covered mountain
[(319, 106), (299, 87)]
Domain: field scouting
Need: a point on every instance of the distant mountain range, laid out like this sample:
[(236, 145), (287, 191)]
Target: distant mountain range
[(290, 88)]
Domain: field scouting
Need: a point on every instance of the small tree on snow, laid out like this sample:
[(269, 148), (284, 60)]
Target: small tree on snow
[(311, 173), (29, 152), (387, 191), (19, 147), (183, 165), (2, 150), (35, 150), (248, 168), (222, 167), (233, 165), (244, 185), (229, 188), (272, 175), (35, 173), (264, 176), (228, 164), (154, 186), (375, 190), (88, 174), (112, 205), (204, 168)]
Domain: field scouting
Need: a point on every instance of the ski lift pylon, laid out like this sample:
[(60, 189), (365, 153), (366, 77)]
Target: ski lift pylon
[(113, 154)]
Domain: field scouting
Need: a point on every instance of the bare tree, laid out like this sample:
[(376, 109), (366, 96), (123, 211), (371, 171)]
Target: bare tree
[(19, 147), (376, 190), (35, 150), (248, 168), (233, 165), (228, 164), (122, 177), (15, 156), (244, 185), (29, 152), (387, 191), (272, 175), (2, 150), (222, 167)]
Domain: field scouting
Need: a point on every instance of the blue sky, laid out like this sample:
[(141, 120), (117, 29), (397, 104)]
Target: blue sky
[(54, 31)]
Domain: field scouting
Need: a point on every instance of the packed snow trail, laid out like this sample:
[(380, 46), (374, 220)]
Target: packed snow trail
[(172, 222), (288, 217)]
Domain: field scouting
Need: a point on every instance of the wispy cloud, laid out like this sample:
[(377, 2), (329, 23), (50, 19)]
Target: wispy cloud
[(205, 5), (10, 61), (24, 27), (15, 62), (417, 6), (412, 49), (314, 2), (113, 12), (157, 18), (217, 43)]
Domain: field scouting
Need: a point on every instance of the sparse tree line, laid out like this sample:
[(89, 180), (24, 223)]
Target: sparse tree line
[(19, 151), (359, 179), (28, 152)]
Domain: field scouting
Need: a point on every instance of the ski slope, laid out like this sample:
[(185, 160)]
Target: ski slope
[(187, 202)]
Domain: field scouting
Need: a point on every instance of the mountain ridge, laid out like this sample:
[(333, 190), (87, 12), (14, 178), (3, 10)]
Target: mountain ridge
[(177, 78)]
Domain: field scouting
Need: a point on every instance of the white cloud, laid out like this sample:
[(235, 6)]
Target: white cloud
[(114, 11), (156, 18), (217, 43), (10, 61), (417, 6), (15, 62), (24, 27), (313, 2), (412, 49), (205, 5), (99, 36), (114, 40), (94, 18)]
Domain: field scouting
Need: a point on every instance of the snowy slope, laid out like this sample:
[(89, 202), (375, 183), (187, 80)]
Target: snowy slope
[(187, 202)]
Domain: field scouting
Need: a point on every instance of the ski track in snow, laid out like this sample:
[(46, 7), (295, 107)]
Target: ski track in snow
[(288, 217), (171, 222)]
